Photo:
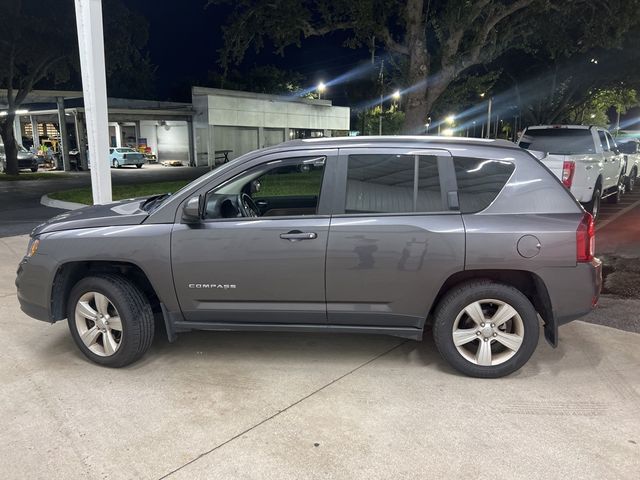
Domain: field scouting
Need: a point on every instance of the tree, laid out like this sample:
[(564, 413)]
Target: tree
[(38, 47), (259, 79), (437, 40), (34, 44)]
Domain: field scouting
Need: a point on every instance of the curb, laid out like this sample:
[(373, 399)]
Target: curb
[(50, 202)]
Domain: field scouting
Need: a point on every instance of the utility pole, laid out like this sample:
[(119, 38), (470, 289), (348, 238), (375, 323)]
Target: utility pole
[(489, 117), (381, 96)]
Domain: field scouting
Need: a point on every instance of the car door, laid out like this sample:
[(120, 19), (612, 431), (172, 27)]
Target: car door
[(617, 159), (610, 166), (263, 269), (395, 236)]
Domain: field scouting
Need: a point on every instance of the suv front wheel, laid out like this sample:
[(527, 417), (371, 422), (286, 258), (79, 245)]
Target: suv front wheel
[(485, 329), (110, 320)]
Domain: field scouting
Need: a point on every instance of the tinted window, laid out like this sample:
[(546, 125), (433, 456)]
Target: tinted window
[(612, 142), (387, 183), (603, 140), (561, 141), (480, 181)]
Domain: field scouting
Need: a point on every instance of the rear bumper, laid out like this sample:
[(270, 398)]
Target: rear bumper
[(573, 291), (132, 161)]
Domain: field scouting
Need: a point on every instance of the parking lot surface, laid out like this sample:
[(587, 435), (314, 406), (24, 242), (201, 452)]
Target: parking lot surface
[(290, 406)]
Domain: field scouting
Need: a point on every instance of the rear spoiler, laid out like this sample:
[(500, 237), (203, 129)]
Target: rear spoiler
[(539, 155)]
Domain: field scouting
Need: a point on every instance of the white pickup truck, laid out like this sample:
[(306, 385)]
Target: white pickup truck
[(585, 158)]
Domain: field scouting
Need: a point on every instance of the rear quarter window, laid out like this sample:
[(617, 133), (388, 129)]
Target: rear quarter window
[(480, 181)]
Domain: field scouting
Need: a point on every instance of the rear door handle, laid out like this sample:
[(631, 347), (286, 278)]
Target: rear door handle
[(296, 235)]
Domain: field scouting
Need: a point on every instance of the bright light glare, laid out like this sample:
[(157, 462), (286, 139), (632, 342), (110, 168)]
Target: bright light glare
[(450, 119), (482, 95), (321, 87), (447, 132), (396, 95), (593, 115), (3, 114)]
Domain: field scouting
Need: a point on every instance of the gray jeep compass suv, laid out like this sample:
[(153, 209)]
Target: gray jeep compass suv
[(473, 238)]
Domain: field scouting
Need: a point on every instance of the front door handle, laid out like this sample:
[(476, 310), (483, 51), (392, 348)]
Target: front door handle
[(296, 235)]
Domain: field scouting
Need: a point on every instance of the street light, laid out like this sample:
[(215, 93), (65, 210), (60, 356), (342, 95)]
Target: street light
[(321, 88), (450, 119), (396, 95)]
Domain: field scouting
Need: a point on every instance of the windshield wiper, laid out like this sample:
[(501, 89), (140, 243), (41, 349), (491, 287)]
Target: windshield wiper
[(154, 201)]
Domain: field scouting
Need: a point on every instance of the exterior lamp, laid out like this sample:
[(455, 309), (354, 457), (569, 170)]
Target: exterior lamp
[(321, 89), (450, 119)]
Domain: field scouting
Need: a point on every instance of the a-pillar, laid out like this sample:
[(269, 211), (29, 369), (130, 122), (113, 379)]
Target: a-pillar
[(64, 139)]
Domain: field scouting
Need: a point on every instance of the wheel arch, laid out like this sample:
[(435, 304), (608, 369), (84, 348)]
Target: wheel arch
[(530, 284), (68, 274)]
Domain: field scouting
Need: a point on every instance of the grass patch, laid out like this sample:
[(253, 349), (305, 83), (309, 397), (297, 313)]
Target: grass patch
[(32, 176), (290, 184), (83, 195), (275, 185)]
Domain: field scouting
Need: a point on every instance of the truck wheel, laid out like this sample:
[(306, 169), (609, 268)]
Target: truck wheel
[(110, 320), (617, 196), (631, 181), (485, 329), (593, 207), (115, 163), (34, 169), (138, 165)]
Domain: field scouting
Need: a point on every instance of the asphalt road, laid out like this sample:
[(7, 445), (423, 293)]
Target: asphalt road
[(20, 208)]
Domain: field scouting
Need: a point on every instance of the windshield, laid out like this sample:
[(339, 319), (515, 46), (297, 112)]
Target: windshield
[(560, 141)]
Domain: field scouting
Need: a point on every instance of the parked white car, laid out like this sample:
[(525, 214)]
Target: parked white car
[(631, 151), (126, 156), (585, 158)]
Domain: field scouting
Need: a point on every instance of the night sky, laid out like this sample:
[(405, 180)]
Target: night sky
[(184, 38)]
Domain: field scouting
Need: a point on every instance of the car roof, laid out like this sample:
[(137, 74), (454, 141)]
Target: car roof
[(580, 127), (421, 141)]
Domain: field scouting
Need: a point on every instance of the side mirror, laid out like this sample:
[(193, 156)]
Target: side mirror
[(192, 210)]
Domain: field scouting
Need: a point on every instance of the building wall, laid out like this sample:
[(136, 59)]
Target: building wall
[(243, 121)]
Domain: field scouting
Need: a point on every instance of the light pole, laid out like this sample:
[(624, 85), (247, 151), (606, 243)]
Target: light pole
[(488, 115)]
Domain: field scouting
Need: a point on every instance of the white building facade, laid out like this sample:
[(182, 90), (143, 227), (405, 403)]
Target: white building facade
[(229, 123)]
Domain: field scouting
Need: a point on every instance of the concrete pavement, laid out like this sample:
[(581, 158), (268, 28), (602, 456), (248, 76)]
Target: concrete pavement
[(289, 406)]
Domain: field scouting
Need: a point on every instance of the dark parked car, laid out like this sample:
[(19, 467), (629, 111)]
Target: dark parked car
[(387, 235), (26, 159)]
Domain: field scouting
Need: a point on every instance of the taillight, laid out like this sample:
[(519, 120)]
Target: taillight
[(568, 169), (585, 239)]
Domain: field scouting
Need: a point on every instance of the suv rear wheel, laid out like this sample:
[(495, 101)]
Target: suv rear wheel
[(485, 329), (110, 320)]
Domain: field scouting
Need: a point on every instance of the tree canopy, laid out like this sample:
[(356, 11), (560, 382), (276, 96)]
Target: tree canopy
[(437, 41)]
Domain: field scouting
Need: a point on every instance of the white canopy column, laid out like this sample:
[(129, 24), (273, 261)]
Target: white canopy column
[(94, 86)]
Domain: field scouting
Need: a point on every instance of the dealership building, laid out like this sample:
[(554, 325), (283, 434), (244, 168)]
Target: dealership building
[(218, 125)]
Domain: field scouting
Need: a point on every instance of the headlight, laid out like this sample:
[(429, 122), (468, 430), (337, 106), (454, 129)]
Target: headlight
[(34, 243)]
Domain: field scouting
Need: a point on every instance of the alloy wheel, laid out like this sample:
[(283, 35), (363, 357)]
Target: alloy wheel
[(98, 323), (488, 332)]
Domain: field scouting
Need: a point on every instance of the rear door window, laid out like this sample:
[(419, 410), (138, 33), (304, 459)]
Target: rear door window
[(480, 181), (392, 183), (559, 141), (603, 141)]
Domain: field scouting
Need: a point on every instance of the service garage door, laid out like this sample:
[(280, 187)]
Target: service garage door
[(240, 140), (173, 142)]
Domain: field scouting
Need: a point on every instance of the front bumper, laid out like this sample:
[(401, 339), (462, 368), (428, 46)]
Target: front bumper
[(33, 288)]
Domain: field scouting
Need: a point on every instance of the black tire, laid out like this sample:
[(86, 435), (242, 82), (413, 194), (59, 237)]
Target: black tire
[(593, 207), (34, 169), (463, 295), (631, 181), (134, 311), (138, 165)]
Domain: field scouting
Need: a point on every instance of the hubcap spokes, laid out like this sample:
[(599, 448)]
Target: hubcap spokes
[(488, 332), (98, 324)]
